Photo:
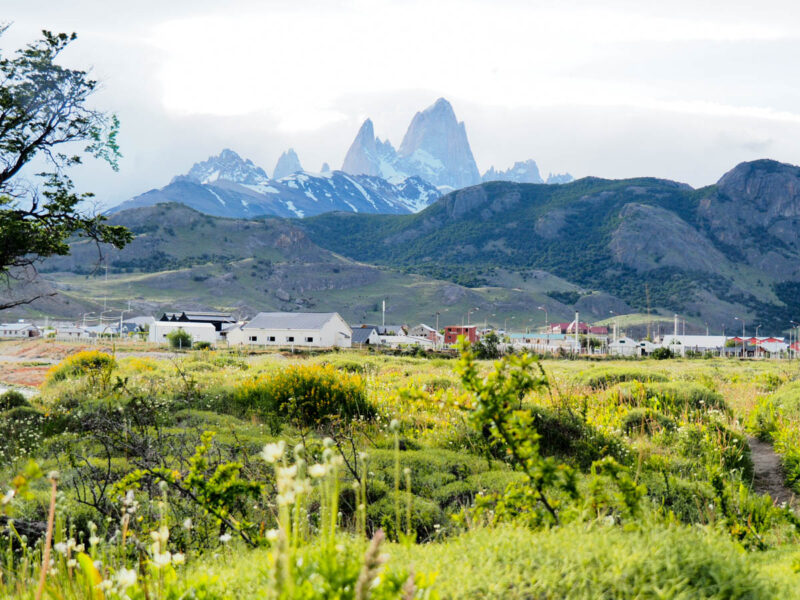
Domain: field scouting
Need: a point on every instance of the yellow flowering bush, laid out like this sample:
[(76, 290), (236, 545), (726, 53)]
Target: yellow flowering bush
[(307, 394), (90, 363)]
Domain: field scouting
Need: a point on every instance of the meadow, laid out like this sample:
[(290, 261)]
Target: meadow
[(224, 474)]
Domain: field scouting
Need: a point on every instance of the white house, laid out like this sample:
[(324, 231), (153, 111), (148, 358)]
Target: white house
[(200, 332), (317, 330), (19, 330), (624, 346), (679, 344)]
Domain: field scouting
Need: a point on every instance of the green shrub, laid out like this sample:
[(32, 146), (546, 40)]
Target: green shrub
[(179, 338), (565, 435), (426, 516), (687, 500), (662, 354), (21, 430), (12, 399), (202, 345), (647, 421), (601, 378), (309, 395), (672, 398), (579, 563), (463, 492)]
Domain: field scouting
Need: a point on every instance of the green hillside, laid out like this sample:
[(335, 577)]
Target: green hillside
[(625, 238)]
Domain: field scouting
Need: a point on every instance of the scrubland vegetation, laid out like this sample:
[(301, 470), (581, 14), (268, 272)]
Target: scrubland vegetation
[(215, 474)]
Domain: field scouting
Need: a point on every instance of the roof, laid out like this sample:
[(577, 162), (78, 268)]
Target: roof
[(695, 341), (289, 320), (538, 336), (140, 320), (462, 326), (17, 326), (361, 334), (390, 330)]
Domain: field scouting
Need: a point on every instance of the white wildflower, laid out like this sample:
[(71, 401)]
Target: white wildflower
[(273, 452), (272, 535), (125, 578), (187, 524), (178, 558), (162, 559), (225, 538), (317, 471)]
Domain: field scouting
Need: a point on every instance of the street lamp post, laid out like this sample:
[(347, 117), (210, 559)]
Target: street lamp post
[(84, 318), (742, 320), (546, 319), (436, 335), (469, 312), (757, 328)]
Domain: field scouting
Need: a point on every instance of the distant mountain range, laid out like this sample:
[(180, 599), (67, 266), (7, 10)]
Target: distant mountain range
[(435, 157), (727, 250)]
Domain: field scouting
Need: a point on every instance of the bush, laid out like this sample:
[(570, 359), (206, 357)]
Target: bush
[(92, 364), (565, 435), (309, 395), (579, 563), (21, 430), (201, 345), (178, 339), (661, 354), (673, 398), (606, 377), (647, 421), (12, 399), (425, 516)]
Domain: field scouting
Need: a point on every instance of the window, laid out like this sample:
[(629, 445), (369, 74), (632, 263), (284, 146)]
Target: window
[(253, 338), (271, 338), (290, 338), (309, 339)]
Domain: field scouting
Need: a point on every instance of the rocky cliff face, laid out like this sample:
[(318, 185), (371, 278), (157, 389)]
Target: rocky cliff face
[(436, 148), (369, 155), (287, 164), (754, 211)]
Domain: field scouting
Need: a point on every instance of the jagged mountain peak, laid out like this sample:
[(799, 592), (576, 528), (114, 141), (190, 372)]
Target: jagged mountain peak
[(227, 166), (287, 164), (522, 172)]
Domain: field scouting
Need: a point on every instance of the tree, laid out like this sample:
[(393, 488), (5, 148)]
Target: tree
[(178, 338), (44, 119)]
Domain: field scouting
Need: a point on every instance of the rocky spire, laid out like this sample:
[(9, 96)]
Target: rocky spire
[(287, 164)]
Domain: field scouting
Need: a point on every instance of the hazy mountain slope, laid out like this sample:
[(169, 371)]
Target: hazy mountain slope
[(621, 237), (183, 259)]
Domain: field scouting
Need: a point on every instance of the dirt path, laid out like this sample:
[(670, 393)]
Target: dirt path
[(768, 471)]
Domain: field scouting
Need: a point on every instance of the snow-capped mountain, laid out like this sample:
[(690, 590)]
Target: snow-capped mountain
[(287, 164), (230, 167), (521, 172), (434, 148), (229, 186)]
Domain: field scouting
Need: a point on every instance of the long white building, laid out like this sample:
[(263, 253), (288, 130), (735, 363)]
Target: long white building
[(316, 330)]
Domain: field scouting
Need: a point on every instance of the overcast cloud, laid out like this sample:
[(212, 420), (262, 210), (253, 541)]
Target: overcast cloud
[(681, 90)]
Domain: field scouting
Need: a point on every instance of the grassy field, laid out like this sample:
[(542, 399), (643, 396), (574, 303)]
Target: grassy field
[(353, 475)]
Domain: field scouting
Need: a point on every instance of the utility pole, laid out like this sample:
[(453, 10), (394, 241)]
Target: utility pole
[(436, 337), (383, 313), (647, 297), (546, 320), (742, 320)]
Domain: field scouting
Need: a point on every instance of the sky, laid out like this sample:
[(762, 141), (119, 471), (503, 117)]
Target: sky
[(683, 90)]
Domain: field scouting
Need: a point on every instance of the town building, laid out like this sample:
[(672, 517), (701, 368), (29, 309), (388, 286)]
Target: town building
[(452, 333), (293, 329), (199, 332), (19, 330), (218, 319)]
